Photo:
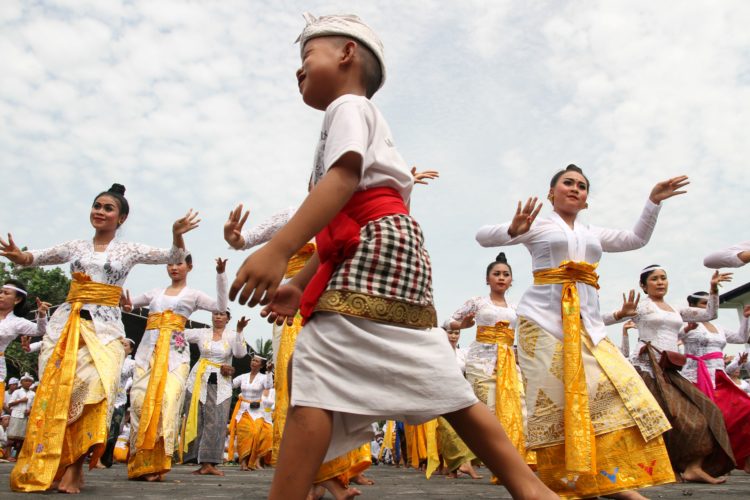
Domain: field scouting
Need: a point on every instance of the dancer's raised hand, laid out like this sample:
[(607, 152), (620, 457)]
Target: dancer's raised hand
[(241, 324), (221, 265), (422, 177), (629, 305), (186, 223), (666, 189), (42, 307), (233, 227), (719, 278), (12, 252), (524, 217)]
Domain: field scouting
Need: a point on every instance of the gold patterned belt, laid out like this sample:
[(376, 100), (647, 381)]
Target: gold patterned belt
[(501, 334), (380, 309)]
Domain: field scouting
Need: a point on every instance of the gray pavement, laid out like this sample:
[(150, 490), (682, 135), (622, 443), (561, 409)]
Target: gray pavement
[(390, 483)]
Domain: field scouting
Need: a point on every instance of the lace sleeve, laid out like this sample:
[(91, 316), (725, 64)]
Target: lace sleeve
[(219, 304), (697, 315), (625, 346), (58, 254), (471, 306), (741, 335), (264, 231), (145, 254)]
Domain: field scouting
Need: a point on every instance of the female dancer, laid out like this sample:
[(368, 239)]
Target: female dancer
[(698, 444), (81, 351), (456, 456), (591, 420), (209, 393), (13, 324), (491, 363), (704, 345), (162, 363), (254, 434)]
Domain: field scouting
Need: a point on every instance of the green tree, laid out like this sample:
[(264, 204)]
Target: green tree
[(263, 347), (50, 285)]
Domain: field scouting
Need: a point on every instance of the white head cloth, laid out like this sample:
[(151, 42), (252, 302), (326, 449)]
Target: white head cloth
[(652, 268), (11, 287), (26, 376), (343, 25), (13, 380)]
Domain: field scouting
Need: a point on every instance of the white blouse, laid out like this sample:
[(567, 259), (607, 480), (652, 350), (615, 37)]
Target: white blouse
[(268, 403), (11, 327), (727, 257), (252, 391), (263, 232), (110, 267), (550, 242), (700, 342), (663, 328), (486, 313), (232, 343), (184, 303), (126, 381)]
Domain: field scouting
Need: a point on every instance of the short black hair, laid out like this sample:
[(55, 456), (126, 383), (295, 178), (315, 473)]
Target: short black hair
[(696, 297), (372, 73)]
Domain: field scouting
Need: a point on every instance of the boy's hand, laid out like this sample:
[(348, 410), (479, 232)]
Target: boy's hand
[(284, 305), (258, 277)]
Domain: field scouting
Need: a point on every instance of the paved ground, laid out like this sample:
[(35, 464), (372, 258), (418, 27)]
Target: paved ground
[(390, 483)]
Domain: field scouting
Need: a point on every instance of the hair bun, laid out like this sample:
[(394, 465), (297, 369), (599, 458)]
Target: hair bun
[(501, 258), (118, 189)]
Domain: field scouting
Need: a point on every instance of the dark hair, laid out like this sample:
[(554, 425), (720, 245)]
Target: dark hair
[(263, 362), (648, 272), (569, 168), (500, 259), (693, 299), (372, 73), (189, 261), (20, 308), (117, 191)]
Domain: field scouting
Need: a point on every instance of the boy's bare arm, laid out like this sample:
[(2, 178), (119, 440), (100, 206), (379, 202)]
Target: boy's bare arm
[(262, 272)]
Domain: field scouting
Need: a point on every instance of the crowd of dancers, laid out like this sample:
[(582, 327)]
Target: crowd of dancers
[(543, 399)]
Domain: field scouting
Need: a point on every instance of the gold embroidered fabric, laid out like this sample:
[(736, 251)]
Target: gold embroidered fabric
[(299, 260), (380, 309)]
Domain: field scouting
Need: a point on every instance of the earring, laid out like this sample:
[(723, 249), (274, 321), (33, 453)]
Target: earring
[(585, 205), (551, 198)]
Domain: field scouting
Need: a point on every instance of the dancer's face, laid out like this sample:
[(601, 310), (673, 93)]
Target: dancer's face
[(255, 363), (8, 299), (454, 336), (105, 214), (219, 320), (178, 272), (500, 278), (319, 71), (657, 284), (570, 193)]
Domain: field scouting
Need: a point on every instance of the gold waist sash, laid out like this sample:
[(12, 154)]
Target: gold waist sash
[(233, 425), (501, 334), (191, 423), (579, 432), (166, 322), (299, 260), (507, 398), (39, 459)]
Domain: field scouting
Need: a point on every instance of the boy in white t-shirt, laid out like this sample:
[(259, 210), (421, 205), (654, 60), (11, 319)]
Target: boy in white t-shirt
[(367, 292), (20, 406)]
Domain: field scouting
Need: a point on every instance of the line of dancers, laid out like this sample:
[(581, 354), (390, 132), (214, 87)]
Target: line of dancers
[(564, 414)]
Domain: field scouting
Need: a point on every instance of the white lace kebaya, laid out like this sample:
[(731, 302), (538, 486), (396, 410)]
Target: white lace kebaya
[(11, 327), (263, 232), (111, 267), (700, 341)]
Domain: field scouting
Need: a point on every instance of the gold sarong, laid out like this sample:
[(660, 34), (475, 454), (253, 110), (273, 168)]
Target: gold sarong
[(233, 426), (580, 449), (148, 429), (191, 422), (40, 457)]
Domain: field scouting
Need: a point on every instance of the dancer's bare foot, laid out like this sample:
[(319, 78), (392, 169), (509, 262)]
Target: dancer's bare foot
[(362, 480), (72, 480), (468, 469), (316, 493), (626, 495), (100, 465), (208, 470), (698, 475), (747, 466), (152, 478), (338, 491)]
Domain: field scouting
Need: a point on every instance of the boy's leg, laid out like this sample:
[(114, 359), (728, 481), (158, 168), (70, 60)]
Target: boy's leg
[(481, 431), (304, 443)]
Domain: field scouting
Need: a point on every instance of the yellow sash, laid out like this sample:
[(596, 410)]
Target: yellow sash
[(299, 260), (148, 430), (40, 456), (388, 440), (233, 426), (580, 449), (191, 423), (507, 400)]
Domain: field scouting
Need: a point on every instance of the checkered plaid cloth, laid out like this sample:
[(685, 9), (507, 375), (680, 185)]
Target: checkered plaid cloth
[(390, 262)]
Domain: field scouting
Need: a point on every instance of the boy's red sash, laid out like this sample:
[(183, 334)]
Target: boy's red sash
[(340, 238)]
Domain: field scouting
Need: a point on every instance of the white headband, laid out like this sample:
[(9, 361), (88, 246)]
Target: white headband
[(343, 25), (11, 287), (653, 268), (259, 357), (698, 297)]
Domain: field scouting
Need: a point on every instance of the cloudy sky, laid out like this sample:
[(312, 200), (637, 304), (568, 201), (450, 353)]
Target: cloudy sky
[(195, 104)]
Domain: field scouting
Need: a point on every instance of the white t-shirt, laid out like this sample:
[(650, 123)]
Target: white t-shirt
[(353, 124), (19, 410)]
